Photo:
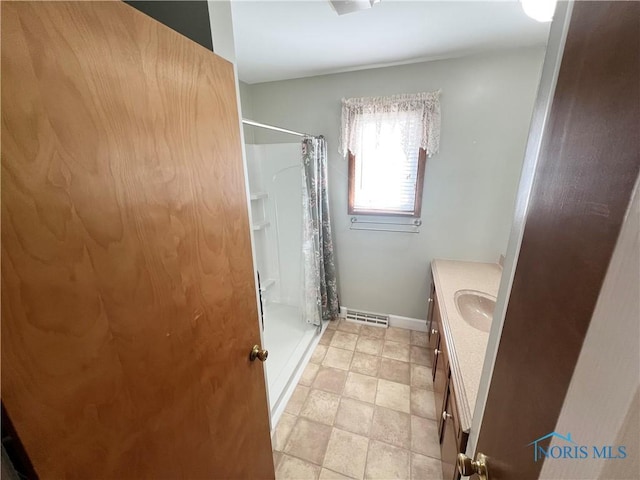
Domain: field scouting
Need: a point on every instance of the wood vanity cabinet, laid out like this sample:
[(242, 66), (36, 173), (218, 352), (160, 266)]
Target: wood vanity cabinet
[(440, 365), (452, 439), (431, 324)]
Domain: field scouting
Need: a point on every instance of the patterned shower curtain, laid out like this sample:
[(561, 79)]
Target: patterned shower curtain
[(320, 290)]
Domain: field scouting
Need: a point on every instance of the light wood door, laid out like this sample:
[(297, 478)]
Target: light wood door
[(128, 296), (583, 184)]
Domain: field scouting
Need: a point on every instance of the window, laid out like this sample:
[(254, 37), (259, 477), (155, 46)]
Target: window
[(387, 141)]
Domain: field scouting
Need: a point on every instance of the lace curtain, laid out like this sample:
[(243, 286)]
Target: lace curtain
[(395, 111)]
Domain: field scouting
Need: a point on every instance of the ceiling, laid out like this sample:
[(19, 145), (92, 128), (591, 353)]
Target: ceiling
[(277, 40)]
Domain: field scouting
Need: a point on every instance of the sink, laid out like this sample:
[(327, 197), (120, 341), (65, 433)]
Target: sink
[(476, 308)]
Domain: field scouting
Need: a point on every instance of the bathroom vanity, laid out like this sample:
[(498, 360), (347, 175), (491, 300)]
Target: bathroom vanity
[(460, 312)]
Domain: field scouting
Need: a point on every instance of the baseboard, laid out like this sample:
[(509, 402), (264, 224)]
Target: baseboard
[(397, 321), (408, 323)]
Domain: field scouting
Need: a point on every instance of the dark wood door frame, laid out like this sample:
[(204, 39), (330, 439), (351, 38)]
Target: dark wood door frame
[(584, 179)]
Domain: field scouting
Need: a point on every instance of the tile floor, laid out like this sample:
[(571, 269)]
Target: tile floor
[(364, 408)]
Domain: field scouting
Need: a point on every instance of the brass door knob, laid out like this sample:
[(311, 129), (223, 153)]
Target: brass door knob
[(259, 353), (467, 467)]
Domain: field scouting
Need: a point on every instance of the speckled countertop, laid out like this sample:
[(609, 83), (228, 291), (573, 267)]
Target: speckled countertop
[(465, 344)]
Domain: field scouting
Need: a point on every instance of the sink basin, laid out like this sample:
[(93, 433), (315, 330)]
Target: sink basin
[(476, 308)]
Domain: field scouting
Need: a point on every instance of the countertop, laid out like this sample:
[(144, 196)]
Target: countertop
[(466, 345)]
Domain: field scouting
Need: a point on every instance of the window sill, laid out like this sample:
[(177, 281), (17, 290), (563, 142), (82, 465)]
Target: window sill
[(383, 213)]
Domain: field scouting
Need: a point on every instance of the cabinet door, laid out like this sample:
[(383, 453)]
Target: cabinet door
[(439, 390), (440, 366), (449, 442), (435, 354), (431, 323), (434, 338)]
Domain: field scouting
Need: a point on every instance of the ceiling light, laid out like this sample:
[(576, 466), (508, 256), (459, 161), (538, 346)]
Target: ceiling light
[(540, 10), (343, 7)]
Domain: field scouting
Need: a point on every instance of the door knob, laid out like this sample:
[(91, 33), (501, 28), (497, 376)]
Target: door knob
[(259, 353), (467, 467)]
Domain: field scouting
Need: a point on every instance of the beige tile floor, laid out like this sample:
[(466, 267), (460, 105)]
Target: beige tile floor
[(364, 408)]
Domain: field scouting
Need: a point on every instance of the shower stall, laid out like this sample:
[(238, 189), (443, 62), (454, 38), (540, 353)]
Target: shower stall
[(275, 185)]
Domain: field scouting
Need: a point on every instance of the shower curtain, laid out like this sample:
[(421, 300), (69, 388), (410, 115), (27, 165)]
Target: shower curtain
[(320, 302)]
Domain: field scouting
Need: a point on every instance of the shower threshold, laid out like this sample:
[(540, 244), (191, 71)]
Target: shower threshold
[(288, 338)]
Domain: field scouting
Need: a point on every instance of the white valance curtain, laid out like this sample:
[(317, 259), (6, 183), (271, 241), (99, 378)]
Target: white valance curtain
[(421, 110)]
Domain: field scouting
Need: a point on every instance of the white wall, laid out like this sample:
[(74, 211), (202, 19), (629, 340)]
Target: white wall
[(470, 185), (222, 29), (247, 111)]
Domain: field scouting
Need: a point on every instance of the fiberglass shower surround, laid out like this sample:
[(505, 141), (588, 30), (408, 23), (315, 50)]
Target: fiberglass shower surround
[(293, 251)]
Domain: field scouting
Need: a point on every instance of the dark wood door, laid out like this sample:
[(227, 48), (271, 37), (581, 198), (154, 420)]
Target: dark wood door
[(583, 183), (128, 296)]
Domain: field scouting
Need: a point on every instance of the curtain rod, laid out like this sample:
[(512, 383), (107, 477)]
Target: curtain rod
[(271, 127)]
